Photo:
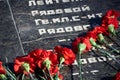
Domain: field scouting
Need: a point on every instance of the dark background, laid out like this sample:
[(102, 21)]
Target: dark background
[(19, 34)]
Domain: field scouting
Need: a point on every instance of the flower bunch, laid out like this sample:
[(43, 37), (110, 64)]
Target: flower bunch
[(85, 44), (108, 26), (41, 64)]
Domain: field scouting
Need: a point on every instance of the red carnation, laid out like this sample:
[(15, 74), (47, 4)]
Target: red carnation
[(75, 44), (110, 18), (24, 65), (117, 76), (97, 30), (2, 70), (84, 40), (39, 54), (112, 14), (66, 53), (107, 21), (100, 30), (53, 70), (47, 58)]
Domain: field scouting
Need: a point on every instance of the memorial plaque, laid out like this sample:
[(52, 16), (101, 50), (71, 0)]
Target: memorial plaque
[(31, 24)]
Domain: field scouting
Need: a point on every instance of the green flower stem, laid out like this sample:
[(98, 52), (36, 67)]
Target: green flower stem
[(117, 34), (60, 66), (10, 73), (23, 76), (78, 56), (102, 40), (102, 50), (31, 76), (61, 62), (113, 49), (51, 78), (114, 41), (108, 54), (44, 74)]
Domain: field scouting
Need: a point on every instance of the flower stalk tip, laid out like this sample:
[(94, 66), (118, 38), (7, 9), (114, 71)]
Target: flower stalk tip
[(101, 38), (94, 43), (81, 47), (111, 29), (3, 77), (47, 63), (62, 59), (26, 67)]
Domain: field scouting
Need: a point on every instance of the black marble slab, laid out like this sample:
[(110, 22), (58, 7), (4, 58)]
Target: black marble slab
[(9, 43), (55, 22), (58, 22)]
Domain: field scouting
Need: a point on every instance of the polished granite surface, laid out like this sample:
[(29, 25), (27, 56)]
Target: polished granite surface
[(26, 25)]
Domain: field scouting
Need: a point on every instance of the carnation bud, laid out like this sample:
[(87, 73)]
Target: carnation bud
[(26, 67), (81, 47), (47, 63), (94, 43), (3, 77), (111, 29), (62, 59), (101, 38)]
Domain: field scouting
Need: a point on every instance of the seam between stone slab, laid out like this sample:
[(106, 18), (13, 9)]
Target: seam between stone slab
[(14, 22)]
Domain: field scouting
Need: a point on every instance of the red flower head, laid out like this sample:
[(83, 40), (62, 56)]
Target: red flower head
[(53, 70), (84, 40), (107, 21), (67, 54), (2, 70), (75, 45), (117, 76), (97, 30), (38, 53), (112, 14), (110, 18), (45, 58), (24, 65)]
